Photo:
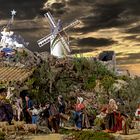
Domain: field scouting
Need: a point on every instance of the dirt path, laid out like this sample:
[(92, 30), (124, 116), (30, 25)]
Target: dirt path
[(46, 137), (133, 135), (127, 137)]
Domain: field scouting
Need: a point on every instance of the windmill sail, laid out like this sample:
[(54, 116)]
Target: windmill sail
[(50, 20), (45, 40), (71, 25)]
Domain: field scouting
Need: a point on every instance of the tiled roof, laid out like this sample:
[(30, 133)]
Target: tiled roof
[(8, 74)]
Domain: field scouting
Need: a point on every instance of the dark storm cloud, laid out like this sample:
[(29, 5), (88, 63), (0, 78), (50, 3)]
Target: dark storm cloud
[(83, 50), (114, 13), (133, 7), (59, 8), (26, 9), (95, 42), (104, 15)]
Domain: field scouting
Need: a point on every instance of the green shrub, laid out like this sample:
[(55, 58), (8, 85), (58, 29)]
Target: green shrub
[(90, 135), (2, 136), (66, 131), (90, 82), (86, 135), (98, 122)]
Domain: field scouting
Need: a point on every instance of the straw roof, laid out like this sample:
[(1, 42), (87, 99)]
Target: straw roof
[(14, 74)]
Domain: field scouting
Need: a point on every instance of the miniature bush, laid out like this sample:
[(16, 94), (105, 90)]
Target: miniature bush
[(2, 136), (85, 135), (90, 135)]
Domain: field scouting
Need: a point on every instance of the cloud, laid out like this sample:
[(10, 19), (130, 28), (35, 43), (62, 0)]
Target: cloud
[(130, 57), (95, 42), (104, 13), (134, 55), (134, 38), (131, 37), (102, 16), (107, 14), (134, 29)]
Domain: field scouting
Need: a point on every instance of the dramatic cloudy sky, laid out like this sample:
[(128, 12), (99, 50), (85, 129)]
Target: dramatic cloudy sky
[(105, 25)]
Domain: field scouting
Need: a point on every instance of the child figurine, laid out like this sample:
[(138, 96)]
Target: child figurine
[(35, 113)]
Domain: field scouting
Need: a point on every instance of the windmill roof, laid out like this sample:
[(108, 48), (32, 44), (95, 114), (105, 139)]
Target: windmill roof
[(10, 74)]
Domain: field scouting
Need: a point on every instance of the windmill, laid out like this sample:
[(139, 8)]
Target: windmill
[(58, 38)]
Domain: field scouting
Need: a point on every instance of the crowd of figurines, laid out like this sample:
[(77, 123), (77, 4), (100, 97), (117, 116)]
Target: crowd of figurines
[(27, 115)]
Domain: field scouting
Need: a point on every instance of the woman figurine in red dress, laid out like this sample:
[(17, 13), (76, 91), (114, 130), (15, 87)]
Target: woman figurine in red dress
[(78, 115)]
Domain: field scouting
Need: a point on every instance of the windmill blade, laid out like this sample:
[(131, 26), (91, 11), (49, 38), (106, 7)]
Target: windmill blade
[(45, 40), (51, 20), (64, 42), (72, 24), (59, 28)]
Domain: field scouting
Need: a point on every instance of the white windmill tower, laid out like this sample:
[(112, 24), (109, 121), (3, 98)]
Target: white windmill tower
[(58, 39)]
